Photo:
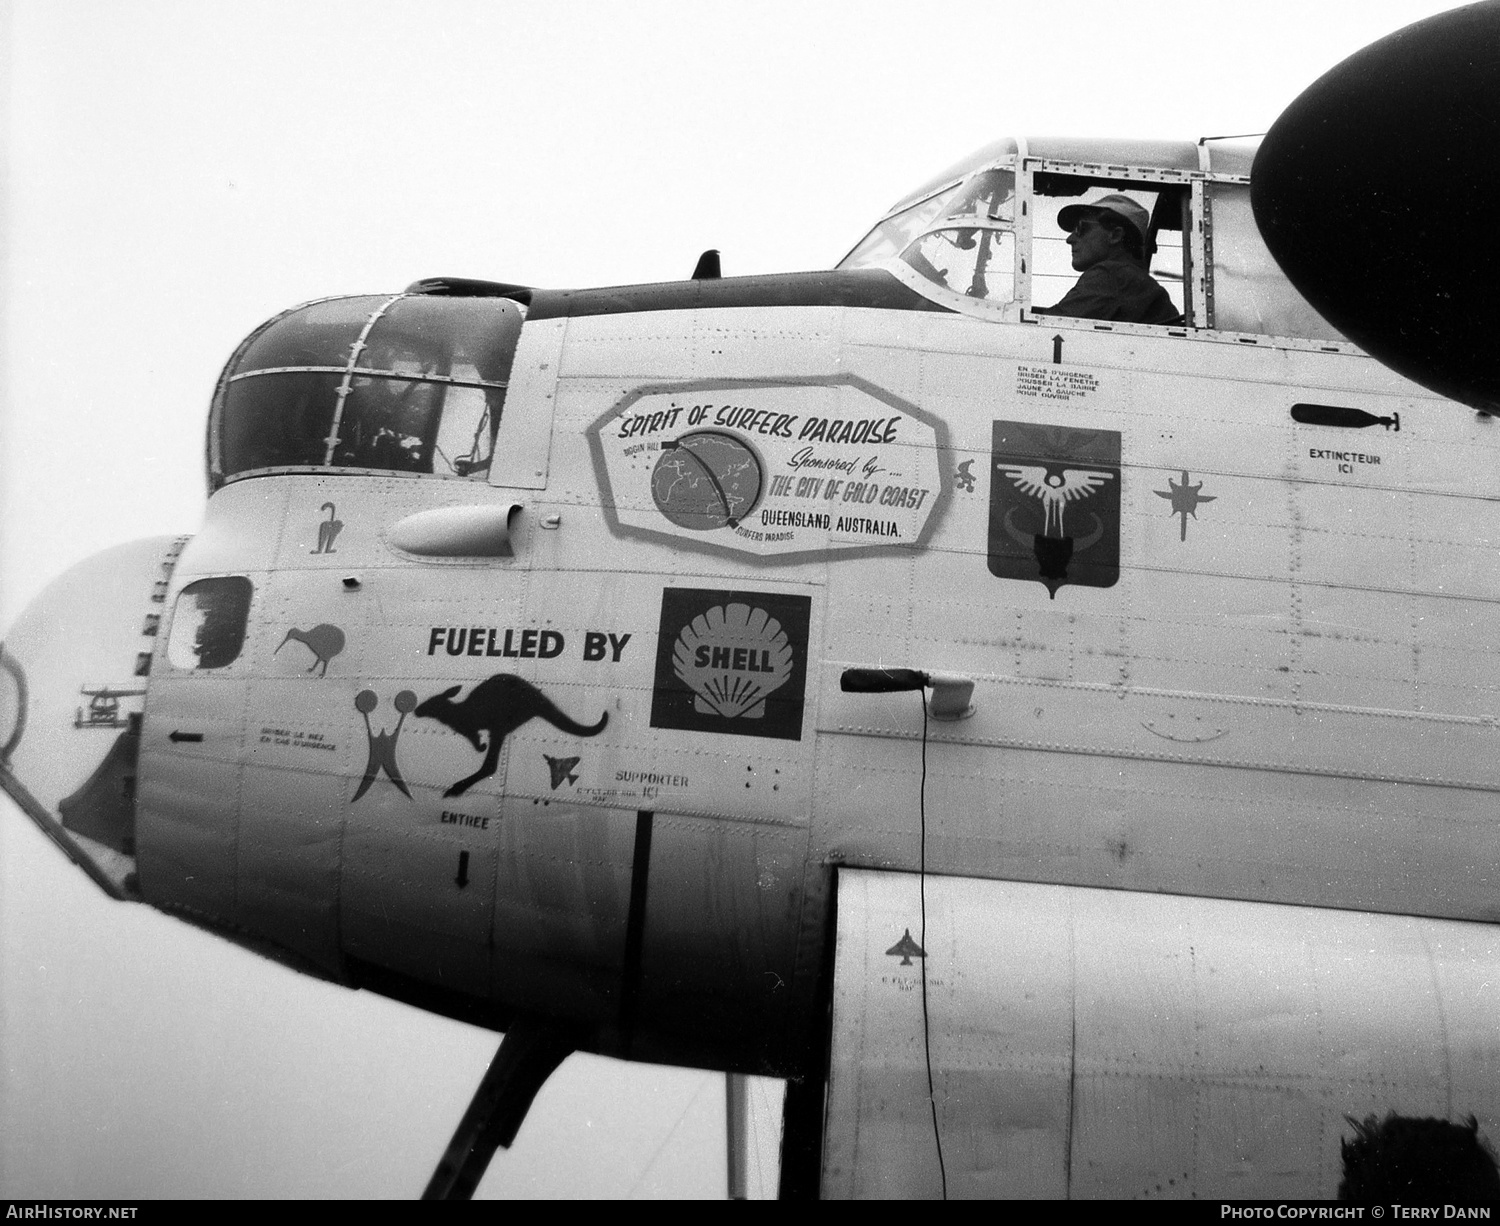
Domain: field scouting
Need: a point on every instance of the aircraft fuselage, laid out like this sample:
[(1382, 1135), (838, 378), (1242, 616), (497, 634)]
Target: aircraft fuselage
[(505, 673), (1248, 684)]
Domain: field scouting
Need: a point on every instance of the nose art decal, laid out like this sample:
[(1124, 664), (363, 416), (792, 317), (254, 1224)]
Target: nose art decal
[(328, 530), (383, 744), (562, 770), (497, 707), (324, 641), (1055, 505), (1185, 499), (731, 662), (906, 949), (104, 707)]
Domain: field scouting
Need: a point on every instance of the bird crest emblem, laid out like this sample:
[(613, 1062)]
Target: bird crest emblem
[(1055, 505)]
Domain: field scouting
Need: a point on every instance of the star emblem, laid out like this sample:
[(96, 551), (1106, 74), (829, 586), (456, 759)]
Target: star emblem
[(1185, 499)]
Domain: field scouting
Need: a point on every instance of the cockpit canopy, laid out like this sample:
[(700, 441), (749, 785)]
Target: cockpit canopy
[(984, 237), (390, 383)]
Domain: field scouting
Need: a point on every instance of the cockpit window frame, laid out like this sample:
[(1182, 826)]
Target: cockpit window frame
[(906, 206), (1198, 281), (351, 374), (931, 207), (1123, 177), (1204, 207), (215, 610)]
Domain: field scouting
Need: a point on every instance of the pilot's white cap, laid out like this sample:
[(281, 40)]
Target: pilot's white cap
[(1117, 203)]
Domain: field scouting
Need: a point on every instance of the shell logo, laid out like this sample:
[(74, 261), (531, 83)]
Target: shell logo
[(732, 657)]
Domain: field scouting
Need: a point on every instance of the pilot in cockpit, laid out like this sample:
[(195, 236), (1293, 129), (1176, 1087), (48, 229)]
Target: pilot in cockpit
[(1108, 241)]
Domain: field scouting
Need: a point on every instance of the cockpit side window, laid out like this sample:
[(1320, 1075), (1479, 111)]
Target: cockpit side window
[(1247, 291), (208, 623), (1165, 208), (991, 244)]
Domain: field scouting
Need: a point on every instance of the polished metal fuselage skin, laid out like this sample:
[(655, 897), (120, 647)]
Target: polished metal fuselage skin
[(1285, 695)]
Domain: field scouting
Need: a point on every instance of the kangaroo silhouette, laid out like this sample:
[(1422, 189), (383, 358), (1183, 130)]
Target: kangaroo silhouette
[(497, 706), (324, 641), (328, 530)]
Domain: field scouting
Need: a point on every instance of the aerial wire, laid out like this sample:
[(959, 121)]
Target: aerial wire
[(937, 1136), (666, 1140)]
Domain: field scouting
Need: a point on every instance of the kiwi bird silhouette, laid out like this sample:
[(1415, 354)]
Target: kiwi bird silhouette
[(497, 706), (324, 641)]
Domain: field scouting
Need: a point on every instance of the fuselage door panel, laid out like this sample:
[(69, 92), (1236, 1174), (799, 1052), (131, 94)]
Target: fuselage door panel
[(523, 450)]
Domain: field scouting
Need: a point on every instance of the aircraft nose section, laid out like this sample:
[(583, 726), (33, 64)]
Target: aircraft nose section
[(73, 676)]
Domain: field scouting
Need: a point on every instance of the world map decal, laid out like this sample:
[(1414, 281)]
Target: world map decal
[(706, 480)]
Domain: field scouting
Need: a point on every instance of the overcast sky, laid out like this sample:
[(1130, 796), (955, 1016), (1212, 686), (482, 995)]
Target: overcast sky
[(175, 173)]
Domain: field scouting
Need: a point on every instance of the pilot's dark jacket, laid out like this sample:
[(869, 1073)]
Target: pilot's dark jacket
[(1119, 290)]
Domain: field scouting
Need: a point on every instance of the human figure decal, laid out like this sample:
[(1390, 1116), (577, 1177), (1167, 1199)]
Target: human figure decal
[(383, 744)]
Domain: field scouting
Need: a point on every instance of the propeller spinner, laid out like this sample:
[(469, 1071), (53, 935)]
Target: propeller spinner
[(1378, 192)]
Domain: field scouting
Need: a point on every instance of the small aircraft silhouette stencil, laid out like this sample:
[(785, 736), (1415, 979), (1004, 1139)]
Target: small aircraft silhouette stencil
[(906, 949), (562, 770)]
